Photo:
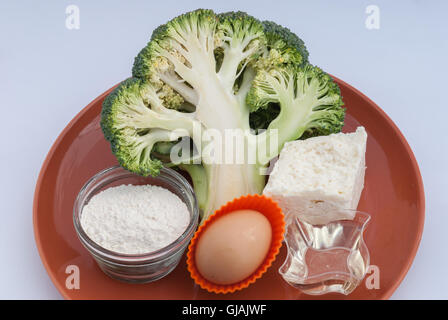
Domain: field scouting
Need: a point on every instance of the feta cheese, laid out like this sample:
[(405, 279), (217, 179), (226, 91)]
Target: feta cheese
[(317, 179)]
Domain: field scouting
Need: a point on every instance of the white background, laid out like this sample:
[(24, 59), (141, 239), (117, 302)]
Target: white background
[(48, 73)]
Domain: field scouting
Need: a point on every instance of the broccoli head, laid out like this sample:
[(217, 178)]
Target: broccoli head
[(225, 71)]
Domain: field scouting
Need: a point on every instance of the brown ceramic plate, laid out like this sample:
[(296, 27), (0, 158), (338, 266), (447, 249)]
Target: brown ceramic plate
[(393, 195)]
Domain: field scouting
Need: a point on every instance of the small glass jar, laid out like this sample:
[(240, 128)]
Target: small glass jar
[(326, 258), (137, 268)]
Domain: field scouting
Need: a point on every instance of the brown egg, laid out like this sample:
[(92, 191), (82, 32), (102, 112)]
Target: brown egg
[(233, 246)]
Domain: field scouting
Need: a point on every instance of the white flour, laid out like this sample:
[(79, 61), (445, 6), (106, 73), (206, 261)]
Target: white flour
[(135, 219)]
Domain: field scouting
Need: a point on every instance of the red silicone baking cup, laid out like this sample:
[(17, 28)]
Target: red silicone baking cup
[(266, 206)]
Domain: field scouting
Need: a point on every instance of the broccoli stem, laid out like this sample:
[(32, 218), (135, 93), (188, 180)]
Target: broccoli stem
[(199, 178), (187, 93), (230, 181)]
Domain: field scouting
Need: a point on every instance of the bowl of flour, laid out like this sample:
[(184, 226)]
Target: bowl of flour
[(136, 228)]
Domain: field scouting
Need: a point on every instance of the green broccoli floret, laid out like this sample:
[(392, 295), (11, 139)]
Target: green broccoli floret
[(310, 102), (285, 47), (134, 119), (158, 31)]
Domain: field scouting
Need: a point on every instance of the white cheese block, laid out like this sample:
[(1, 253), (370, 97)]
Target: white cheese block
[(317, 179)]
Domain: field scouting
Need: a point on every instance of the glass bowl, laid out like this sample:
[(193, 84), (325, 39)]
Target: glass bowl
[(137, 268), (326, 258)]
